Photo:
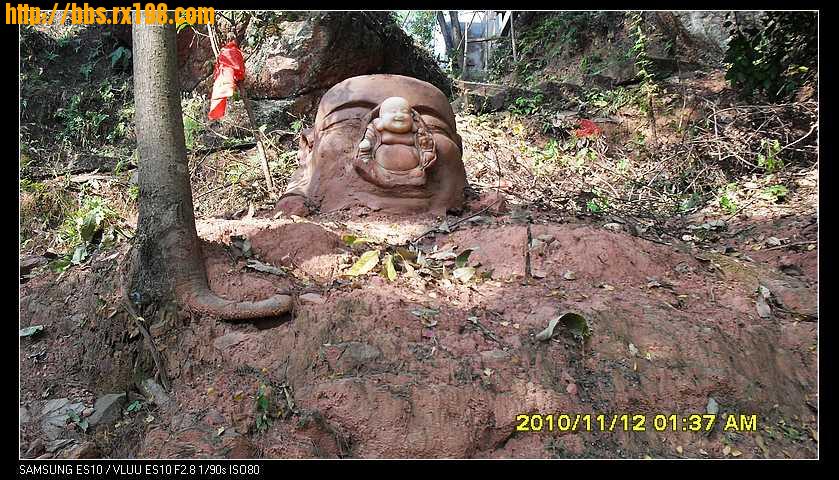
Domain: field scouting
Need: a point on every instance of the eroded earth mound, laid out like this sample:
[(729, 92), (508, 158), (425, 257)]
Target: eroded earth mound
[(433, 367)]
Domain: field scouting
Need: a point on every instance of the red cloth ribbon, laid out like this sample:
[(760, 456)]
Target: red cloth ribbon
[(229, 69), (587, 129)]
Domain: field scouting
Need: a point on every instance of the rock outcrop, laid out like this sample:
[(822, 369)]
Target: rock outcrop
[(293, 58)]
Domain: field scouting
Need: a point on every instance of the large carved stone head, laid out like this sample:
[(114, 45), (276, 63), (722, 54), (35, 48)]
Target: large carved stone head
[(387, 142)]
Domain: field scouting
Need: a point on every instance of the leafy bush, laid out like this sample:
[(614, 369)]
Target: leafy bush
[(770, 161), (84, 228), (527, 106), (728, 201), (774, 58), (776, 193), (597, 204)]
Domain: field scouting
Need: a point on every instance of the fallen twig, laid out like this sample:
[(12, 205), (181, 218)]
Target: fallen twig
[(794, 244)]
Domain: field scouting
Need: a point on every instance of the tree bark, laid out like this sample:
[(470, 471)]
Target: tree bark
[(457, 39), (447, 31), (168, 263), (457, 32)]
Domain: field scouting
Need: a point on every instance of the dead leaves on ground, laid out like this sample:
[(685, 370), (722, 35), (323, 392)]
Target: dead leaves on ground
[(572, 322), (446, 264)]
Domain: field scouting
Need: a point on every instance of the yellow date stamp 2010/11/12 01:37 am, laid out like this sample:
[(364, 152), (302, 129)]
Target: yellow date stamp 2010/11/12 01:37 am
[(588, 422)]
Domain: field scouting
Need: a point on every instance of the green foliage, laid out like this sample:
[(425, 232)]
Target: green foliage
[(598, 204), (297, 126), (543, 42), (776, 193), (84, 228), (86, 69), (642, 60), (775, 57), (727, 199), (527, 105), (192, 108), (770, 160), (690, 202), (263, 403), (121, 57), (420, 26), (80, 122), (68, 100), (727, 204), (610, 101), (592, 64), (285, 164), (547, 156)]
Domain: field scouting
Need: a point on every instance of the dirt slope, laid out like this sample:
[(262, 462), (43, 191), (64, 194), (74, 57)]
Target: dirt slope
[(353, 373)]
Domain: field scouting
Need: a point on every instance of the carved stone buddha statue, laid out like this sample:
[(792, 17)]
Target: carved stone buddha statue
[(386, 142)]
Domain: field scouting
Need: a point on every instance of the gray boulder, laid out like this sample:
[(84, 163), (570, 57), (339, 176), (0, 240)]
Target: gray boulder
[(107, 409)]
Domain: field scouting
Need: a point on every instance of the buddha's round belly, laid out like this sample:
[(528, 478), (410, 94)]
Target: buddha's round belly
[(397, 157)]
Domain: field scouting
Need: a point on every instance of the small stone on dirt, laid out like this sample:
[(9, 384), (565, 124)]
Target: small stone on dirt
[(57, 445), (713, 407), (226, 341), (155, 393), (313, 298), (615, 227), (494, 202), (35, 448), (24, 415), (107, 408), (356, 355), (569, 275), (55, 415), (85, 450)]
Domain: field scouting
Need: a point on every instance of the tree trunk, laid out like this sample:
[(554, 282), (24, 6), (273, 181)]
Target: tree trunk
[(457, 32), (447, 32), (457, 39), (168, 264)]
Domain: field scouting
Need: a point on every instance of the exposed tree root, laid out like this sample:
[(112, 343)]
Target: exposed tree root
[(200, 299)]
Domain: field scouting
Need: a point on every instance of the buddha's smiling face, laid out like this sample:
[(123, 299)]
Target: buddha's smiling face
[(328, 175), (395, 115)]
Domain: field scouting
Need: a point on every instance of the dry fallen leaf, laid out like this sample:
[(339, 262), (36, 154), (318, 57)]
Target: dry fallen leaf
[(365, 263)]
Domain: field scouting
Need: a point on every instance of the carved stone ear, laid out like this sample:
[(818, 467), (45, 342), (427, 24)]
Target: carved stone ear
[(306, 138), (425, 141), (377, 122)]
